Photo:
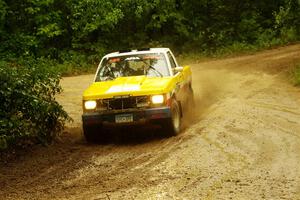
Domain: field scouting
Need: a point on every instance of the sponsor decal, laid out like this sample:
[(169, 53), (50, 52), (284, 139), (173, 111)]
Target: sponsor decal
[(123, 88)]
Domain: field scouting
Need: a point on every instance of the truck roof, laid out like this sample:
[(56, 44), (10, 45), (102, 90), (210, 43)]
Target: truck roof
[(137, 51)]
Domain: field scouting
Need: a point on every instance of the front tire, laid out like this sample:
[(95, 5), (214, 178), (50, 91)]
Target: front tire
[(172, 126)]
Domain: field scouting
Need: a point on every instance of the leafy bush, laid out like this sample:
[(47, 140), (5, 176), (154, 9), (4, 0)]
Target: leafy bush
[(28, 109)]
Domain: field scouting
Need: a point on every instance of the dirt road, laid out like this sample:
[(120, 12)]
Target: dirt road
[(244, 143)]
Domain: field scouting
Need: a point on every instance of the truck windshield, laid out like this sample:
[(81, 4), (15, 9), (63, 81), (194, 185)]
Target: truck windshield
[(151, 65)]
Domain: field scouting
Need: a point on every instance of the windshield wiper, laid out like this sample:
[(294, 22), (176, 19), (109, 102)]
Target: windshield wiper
[(155, 70), (147, 67)]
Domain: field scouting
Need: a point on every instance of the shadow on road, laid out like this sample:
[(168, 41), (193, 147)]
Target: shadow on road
[(129, 135)]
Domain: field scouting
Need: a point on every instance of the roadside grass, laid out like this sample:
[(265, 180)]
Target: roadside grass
[(296, 74), (231, 51), (71, 69), (190, 56), (81, 64)]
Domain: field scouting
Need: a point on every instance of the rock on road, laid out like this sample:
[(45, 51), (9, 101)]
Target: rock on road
[(244, 143)]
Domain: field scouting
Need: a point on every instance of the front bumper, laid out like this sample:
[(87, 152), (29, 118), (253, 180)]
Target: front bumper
[(138, 116)]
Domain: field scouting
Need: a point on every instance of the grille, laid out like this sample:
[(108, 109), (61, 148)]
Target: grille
[(120, 103)]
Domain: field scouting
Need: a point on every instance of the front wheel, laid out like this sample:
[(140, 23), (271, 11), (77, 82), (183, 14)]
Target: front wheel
[(172, 126)]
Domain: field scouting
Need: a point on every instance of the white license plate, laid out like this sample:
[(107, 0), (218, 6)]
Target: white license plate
[(124, 118)]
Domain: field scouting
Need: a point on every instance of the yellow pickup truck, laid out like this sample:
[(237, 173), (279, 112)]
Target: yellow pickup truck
[(134, 87)]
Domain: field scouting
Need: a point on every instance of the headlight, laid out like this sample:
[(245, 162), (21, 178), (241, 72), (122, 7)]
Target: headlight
[(157, 99), (90, 105)]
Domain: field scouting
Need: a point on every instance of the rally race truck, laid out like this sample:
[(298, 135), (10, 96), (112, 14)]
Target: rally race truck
[(131, 87)]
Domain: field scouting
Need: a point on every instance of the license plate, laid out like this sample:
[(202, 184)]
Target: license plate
[(125, 118)]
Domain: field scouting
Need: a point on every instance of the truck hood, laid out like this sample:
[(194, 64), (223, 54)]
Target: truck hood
[(134, 86)]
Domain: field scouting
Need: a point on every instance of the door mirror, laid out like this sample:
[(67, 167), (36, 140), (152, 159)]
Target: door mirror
[(178, 69)]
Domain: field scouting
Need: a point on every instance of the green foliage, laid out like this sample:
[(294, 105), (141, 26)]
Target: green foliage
[(287, 22), (89, 16), (28, 110), (46, 28), (3, 8)]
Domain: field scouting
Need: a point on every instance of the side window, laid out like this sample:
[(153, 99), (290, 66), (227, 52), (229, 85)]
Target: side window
[(173, 64)]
